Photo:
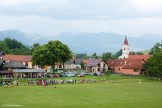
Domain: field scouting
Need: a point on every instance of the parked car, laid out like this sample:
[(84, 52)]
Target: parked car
[(97, 74), (56, 75)]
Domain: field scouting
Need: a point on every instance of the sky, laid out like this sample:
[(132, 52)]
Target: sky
[(51, 17)]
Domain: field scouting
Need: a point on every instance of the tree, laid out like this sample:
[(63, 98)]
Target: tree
[(153, 66), (106, 56), (117, 54), (65, 53), (12, 46), (94, 56), (156, 48), (81, 55), (51, 53), (35, 45), (3, 47)]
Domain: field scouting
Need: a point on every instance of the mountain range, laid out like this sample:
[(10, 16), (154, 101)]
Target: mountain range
[(87, 42)]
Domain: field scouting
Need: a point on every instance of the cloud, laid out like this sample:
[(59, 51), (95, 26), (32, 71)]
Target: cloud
[(50, 17)]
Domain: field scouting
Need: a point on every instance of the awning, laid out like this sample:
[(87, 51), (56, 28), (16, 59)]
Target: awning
[(28, 70), (5, 72)]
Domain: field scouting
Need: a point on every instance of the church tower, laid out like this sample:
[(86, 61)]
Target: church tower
[(125, 49)]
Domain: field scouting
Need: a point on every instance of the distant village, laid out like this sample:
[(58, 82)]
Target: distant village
[(20, 66)]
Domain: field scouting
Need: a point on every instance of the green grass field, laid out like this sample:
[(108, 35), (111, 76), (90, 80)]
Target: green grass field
[(119, 93)]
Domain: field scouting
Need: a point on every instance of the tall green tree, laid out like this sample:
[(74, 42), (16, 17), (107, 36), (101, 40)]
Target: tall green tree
[(106, 56), (51, 53), (117, 54), (95, 56), (156, 48), (65, 53), (153, 66)]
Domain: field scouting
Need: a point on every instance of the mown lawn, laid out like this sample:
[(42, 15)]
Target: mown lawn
[(120, 94)]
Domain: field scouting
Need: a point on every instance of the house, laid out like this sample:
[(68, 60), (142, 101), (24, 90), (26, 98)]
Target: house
[(117, 65), (73, 64), (133, 67), (3, 72), (25, 60), (126, 66), (96, 65)]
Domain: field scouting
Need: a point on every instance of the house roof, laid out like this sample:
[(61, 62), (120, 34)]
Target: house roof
[(117, 62), (13, 65), (28, 70), (134, 64), (17, 58), (5, 72), (127, 63), (85, 61), (145, 57), (74, 61), (93, 62)]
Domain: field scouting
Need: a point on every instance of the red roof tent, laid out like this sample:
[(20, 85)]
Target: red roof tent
[(17, 58)]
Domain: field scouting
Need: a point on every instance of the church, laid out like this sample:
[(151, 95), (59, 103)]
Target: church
[(128, 64)]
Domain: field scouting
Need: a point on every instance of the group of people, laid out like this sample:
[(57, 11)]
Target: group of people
[(10, 83), (46, 82)]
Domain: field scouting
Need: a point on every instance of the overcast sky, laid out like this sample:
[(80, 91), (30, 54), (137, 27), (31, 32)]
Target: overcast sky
[(50, 17)]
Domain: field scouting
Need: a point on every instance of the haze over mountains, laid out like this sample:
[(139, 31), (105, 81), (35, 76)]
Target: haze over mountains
[(87, 42)]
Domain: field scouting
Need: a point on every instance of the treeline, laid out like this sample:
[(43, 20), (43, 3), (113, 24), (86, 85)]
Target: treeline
[(12, 46), (153, 66)]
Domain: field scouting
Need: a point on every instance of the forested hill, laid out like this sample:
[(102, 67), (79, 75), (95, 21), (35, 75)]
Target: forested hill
[(12, 46), (88, 43)]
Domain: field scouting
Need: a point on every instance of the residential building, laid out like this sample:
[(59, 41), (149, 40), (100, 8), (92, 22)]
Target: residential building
[(96, 65), (73, 64), (25, 60)]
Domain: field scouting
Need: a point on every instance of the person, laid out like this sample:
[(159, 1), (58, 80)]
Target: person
[(42, 83), (17, 83), (75, 81), (3, 83)]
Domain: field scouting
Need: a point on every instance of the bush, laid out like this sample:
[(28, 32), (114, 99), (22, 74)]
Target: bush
[(108, 72)]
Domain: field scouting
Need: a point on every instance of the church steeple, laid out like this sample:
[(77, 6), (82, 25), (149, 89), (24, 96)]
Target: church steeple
[(125, 41), (125, 49)]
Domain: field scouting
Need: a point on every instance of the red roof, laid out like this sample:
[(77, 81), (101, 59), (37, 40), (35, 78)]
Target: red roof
[(125, 41), (145, 57), (17, 58), (85, 61), (134, 64), (93, 62), (118, 62)]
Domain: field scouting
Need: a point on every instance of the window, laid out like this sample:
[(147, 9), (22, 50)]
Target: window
[(26, 63), (135, 70)]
